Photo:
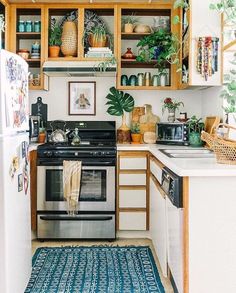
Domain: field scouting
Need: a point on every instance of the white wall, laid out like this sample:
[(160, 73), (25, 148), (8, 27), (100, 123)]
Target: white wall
[(211, 102), (57, 99)]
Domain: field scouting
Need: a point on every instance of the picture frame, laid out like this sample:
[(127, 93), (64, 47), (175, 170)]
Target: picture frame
[(20, 182), (82, 98)]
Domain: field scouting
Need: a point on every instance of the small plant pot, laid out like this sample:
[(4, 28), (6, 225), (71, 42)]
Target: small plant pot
[(97, 42), (136, 137), (129, 28), (42, 137), (54, 51), (195, 139)]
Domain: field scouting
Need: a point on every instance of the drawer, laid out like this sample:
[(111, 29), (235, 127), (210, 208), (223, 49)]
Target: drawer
[(132, 179), (132, 198), (133, 163), (156, 170), (132, 221)]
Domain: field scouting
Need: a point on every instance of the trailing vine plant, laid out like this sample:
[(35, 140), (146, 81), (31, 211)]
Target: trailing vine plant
[(228, 7)]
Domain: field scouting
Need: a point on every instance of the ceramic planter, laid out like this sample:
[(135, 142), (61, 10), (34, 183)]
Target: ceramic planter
[(136, 137), (54, 51), (128, 28), (195, 139), (69, 39)]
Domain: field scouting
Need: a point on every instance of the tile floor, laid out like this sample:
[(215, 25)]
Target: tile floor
[(120, 242)]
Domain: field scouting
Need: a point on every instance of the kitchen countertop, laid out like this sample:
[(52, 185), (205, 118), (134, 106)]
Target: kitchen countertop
[(33, 146), (183, 166)]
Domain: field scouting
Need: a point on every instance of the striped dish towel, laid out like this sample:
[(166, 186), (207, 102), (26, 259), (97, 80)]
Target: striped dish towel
[(71, 184)]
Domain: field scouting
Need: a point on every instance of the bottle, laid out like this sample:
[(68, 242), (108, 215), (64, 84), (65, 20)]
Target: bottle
[(147, 78), (28, 26), (76, 139), (37, 26)]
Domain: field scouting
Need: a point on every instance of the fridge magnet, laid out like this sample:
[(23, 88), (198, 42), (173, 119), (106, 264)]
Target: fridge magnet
[(23, 149), (14, 166), (82, 98), (207, 56), (20, 182), (25, 178)]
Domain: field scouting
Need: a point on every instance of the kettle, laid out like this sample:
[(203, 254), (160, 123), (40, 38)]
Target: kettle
[(58, 135)]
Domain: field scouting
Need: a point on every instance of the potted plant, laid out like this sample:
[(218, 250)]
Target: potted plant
[(195, 126), (161, 46), (97, 36), (54, 41), (128, 22), (171, 106), (119, 103), (135, 133)]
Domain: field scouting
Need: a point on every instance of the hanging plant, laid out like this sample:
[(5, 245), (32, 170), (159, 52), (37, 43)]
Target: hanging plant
[(228, 7)]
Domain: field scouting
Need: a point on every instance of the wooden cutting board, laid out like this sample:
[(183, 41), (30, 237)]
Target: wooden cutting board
[(211, 122)]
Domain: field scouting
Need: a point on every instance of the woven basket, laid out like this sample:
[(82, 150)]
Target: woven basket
[(224, 148)]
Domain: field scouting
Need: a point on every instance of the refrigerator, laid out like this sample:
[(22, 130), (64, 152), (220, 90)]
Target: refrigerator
[(15, 226)]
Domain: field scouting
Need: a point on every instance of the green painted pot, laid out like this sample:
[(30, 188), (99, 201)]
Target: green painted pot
[(195, 139)]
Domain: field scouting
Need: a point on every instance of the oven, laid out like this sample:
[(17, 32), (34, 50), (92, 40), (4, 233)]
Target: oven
[(97, 191), (95, 215)]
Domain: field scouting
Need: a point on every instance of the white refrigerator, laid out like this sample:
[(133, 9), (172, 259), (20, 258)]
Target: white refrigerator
[(15, 228)]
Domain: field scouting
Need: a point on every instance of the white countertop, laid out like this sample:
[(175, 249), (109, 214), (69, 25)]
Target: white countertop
[(183, 166)]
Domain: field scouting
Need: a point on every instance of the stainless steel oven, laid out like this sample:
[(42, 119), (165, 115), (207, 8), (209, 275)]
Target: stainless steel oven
[(97, 192), (95, 217)]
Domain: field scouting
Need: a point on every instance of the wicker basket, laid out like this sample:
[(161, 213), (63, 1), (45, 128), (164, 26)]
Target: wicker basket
[(223, 147)]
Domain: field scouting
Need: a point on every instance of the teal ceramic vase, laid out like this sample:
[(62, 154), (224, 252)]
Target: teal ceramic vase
[(133, 81), (124, 80), (195, 139)]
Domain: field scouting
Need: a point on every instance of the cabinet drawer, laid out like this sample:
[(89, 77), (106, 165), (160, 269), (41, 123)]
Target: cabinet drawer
[(133, 163), (132, 179), (156, 170), (132, 198), (132, 221)]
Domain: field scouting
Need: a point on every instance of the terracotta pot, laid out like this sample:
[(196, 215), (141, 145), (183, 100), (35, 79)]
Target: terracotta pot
[(128, 28), (69, 39), (54, 51), (42, 137), (95, 42), (136, 137)]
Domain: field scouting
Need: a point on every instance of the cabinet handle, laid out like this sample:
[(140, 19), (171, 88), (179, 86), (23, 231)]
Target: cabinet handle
[(158, 186)]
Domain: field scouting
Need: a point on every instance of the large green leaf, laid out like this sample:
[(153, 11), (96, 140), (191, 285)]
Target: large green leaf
[(119, 102)]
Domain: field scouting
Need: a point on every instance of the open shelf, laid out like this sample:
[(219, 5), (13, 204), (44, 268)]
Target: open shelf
[(128, 87), (133, 36), (28, 36), (132, 63)]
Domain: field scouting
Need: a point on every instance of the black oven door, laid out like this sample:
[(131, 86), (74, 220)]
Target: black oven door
[(97, 191)]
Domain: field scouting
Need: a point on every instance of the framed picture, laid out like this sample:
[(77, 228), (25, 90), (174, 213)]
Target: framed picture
[(82, 98), (20, 182)]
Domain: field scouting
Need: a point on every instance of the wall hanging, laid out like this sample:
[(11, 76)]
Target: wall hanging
[(207, 56)]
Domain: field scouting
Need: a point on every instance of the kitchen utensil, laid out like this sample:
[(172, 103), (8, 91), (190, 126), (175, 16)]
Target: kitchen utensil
[(41, 109), (58, 135), (211, 122)]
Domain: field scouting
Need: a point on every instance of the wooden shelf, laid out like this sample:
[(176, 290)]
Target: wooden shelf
[(35, 87), (229, 45), (32, 35), (133, 36), (132, 63), (33, 60), (121, 87), (63, 59)]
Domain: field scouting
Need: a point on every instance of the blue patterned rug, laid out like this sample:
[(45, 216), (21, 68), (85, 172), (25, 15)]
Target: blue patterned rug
[(95, 269)]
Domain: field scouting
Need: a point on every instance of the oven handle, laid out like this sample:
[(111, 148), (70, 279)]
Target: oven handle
[(75, 218)]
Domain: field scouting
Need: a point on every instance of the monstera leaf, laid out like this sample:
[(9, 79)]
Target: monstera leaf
[(119, 102)]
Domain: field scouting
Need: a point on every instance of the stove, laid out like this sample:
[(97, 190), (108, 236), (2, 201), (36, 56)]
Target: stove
[(95, 218)]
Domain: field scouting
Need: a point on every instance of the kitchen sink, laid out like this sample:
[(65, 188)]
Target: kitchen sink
[(188, 153)]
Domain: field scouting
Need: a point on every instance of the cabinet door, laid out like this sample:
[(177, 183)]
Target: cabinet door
[(158, 223)]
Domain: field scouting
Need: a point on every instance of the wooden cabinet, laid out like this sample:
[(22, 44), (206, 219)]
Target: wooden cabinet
[(199, 21), (158, 225), (27, 33), (133, 190), (33, 188), (154, 75)]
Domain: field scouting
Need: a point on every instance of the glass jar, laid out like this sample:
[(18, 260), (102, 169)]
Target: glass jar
[(28, 26), (21, 26), (37, 26)]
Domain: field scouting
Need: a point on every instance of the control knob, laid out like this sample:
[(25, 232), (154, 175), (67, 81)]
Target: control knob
[(48, 153)]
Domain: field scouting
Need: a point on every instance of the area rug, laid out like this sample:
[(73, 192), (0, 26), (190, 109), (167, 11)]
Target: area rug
[(95, 269)]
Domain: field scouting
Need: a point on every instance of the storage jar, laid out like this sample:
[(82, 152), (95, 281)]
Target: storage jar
[(28, 26), (21, 26)]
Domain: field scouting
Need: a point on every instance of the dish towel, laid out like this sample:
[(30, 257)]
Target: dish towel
[(71, 184)]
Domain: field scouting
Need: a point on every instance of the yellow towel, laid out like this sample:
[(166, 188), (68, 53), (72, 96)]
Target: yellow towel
[(71, 184)]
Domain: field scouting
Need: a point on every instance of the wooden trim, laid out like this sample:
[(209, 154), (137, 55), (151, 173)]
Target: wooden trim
[(148, 194), (156, 161), (33, 189), (130, 154), (131, 171), (131, 187), (186, 233), (134, 187), (158, 186), (190, 65), (135, 210), (80, 44)]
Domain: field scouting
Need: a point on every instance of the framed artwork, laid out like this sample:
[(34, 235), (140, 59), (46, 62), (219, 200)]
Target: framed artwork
[(82, 98)]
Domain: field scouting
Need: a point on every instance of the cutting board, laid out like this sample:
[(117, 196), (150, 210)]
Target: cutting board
[(211, 122), (40, 109)]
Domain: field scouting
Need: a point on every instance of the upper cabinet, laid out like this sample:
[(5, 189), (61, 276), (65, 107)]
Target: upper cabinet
[(144, 43), (200, 30), (27, 39)]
